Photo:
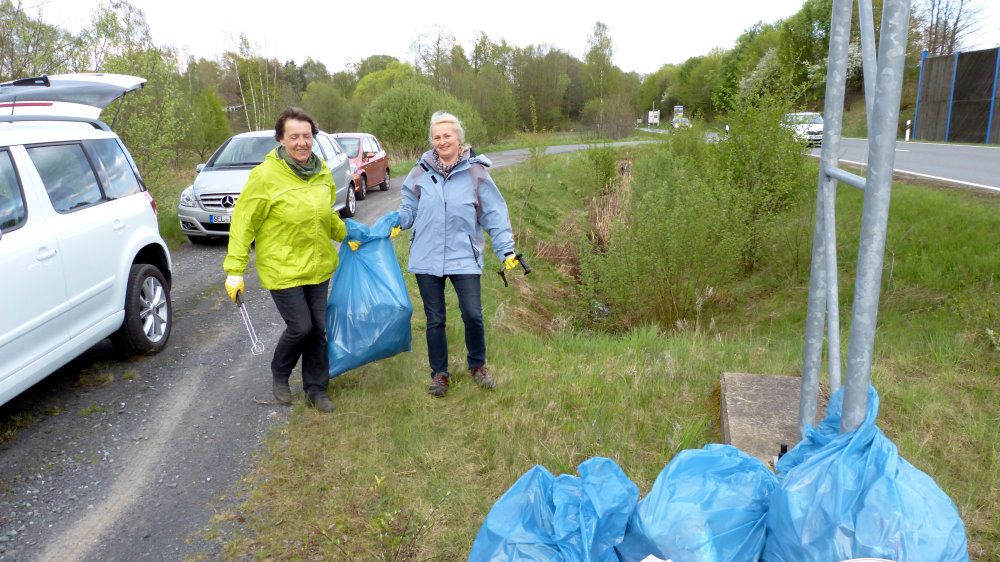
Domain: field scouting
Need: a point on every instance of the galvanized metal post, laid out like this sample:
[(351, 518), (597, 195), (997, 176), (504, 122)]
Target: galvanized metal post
[(993, 97), (920, 81), (869, 62), (875, 215), (951, 99), (823, 271)]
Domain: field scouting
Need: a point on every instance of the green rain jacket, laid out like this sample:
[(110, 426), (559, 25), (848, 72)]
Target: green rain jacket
[(292, 222)]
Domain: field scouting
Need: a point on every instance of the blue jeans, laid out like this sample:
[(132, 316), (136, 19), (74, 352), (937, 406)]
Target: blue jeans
[(432, 293)]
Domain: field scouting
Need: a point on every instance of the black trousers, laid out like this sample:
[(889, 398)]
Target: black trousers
[(303, 309)]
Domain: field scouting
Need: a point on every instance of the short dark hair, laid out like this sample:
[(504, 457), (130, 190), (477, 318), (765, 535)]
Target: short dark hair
[(296, 113)]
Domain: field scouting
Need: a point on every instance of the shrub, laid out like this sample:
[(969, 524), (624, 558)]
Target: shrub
[(765, 167), (675, 243), (401, 116)]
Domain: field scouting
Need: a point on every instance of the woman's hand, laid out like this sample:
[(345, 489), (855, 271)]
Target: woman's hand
[(510, 262), (234, 286)]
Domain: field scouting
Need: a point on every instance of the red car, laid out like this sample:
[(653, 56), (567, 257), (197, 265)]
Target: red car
[(369, 162)]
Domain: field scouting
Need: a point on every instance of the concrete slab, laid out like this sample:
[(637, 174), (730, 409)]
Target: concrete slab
[(761, 412)]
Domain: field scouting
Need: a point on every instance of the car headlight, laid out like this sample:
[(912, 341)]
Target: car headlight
[(187, 198), (354, 169)]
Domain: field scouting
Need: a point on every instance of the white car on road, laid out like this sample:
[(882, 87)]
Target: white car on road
[(807, 127), (81, 257)]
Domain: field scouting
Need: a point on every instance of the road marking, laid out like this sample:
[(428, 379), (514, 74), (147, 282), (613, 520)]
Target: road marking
[(928, 176)]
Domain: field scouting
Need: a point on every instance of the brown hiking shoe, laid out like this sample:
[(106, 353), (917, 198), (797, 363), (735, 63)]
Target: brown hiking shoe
[(439, 384), (483, 378)]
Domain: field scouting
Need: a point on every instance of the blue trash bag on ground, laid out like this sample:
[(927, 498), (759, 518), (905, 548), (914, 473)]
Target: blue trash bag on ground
[(569, 518), (851, 495), (369, 309), (708, 504)]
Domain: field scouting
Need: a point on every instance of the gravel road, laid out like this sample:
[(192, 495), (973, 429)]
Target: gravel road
[(130, 460)]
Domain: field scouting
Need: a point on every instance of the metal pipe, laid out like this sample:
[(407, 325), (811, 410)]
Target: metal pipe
[(824, 241), (869, 61), (832, 285), (850, 179), (993, 97), (920, 80), (875, 214), (951, 99)]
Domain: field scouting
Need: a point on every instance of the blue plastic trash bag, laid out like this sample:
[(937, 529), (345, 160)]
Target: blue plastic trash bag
[(368, 312), (851, 495), (708, 504), (569, 518)]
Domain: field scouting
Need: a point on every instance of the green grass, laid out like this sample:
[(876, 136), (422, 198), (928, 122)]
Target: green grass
[(528, 140), (395, 474)]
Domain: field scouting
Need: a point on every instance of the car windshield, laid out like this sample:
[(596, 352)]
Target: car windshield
[(349, 144), (246, 151)]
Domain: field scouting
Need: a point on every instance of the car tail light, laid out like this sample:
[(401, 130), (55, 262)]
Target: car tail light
[(152, 202)]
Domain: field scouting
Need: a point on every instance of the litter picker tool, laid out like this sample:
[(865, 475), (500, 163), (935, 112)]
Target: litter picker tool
[(255, 346), (524, 264)]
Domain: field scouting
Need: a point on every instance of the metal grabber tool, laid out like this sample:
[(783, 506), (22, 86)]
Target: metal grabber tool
[(255, 346), (524, 264)]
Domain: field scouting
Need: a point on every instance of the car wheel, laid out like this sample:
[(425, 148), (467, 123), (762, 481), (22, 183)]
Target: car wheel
[(384, 186), (148, 312), (363, 192), (351, 206)]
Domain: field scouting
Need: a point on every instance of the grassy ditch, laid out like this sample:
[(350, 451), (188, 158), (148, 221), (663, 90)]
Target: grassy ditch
[(397, 475)]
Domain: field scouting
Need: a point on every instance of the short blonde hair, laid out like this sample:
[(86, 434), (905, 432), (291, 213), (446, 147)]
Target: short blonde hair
[(445, 117)]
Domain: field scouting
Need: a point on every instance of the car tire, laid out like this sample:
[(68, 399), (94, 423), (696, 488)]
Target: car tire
[(148, 312), (384, 186), (363, 191), (350, 206)]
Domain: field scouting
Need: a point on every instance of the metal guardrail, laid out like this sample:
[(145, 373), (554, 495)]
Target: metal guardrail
[(883, 80)]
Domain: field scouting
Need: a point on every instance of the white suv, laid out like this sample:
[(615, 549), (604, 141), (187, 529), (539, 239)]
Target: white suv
[(81, 257)]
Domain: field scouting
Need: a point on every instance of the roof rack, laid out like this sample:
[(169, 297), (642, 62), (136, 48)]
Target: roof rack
[(95, 123)]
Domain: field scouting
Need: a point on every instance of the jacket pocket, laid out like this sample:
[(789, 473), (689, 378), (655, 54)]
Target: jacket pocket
[(475, 252)]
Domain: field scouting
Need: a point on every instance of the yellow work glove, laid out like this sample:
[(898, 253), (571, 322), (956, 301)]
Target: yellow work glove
[(510, 262), (234, 286), (394, 232), (354, 244)]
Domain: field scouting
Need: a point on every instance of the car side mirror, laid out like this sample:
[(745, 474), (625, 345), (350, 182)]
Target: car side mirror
[(199, 167), (368, 155)]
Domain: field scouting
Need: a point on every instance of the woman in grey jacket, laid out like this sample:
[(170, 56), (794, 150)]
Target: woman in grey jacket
[(449, 199)]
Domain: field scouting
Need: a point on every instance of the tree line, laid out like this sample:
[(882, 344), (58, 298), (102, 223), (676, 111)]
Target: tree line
[(188, 107)]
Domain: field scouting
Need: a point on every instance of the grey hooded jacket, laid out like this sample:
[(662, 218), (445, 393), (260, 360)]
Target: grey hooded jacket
[(449, 214)]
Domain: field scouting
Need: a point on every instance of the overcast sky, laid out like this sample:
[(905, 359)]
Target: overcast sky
[(337, 33)]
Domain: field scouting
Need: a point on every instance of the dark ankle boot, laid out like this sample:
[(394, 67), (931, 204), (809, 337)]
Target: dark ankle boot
[(282, 394), (321, 402)]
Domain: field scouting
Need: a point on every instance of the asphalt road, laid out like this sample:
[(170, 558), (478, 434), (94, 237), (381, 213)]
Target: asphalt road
[(130, 460), (974, 166)]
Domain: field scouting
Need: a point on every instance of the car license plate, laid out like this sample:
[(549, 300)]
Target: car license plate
[(218, 219)]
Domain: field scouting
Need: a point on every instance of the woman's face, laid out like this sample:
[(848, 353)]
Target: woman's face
[(298, 140), (445, 141)]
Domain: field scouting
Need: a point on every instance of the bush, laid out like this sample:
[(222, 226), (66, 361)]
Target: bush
[(765, 166), (663, 256), (401, 116)]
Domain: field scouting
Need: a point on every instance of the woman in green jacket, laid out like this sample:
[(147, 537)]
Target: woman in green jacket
[(286, 211)]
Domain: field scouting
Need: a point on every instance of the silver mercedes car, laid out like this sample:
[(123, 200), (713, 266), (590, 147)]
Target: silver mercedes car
[(206, 207)]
